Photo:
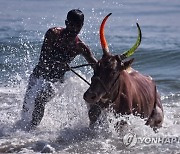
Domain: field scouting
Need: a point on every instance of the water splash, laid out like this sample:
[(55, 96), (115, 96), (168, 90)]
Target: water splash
[(64, 127)]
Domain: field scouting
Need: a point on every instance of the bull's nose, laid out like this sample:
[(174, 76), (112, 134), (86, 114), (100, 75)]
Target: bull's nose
[(90, 97)]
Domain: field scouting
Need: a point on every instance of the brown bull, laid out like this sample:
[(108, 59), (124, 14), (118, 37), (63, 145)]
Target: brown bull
[(115, 84)]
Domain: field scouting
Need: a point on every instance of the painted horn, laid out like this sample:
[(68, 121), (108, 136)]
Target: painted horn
[(131, 51), (102, 36)]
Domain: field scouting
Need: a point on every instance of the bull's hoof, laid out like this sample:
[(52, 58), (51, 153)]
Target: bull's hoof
[(123, 122), (92, 125), (154, 126), (120, 125), (155, 129)]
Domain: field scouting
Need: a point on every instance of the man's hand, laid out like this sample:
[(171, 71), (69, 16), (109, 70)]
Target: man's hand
[(68, 68), (86, 52)]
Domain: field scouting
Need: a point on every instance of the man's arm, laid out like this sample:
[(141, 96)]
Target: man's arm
[(47, 48), (86, 52)]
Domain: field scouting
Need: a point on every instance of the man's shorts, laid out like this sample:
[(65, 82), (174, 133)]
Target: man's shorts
[(38, 88)]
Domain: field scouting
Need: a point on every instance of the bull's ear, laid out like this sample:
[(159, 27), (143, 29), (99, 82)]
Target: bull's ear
[(128, 63)]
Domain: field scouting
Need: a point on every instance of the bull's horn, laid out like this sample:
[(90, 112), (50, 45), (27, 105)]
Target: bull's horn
[(135, 46), (102, 36)]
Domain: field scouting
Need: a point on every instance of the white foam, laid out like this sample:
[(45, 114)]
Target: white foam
[(64, 127)]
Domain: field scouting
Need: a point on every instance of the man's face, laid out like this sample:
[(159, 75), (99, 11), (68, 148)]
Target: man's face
[(73, 27)]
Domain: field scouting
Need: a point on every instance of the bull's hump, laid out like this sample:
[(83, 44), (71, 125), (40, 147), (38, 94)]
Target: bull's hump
[(129, 70)]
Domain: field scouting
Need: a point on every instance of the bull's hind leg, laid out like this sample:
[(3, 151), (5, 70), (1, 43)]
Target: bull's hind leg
[(156, 118)]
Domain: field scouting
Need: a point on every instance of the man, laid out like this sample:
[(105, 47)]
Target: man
[(60, 46)]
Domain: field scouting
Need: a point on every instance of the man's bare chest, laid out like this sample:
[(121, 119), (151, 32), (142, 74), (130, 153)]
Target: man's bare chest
[(65, 51), (65, 46)]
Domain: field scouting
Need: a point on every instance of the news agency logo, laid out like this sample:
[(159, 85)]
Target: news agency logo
[(131, 139)]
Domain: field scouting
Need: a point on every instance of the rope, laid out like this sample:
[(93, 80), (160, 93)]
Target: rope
[(77, 73), (90, 64)]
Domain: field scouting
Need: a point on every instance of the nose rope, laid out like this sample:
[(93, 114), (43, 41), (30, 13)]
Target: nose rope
[(90, 64), (104, 86), (101, 82), (80, 76), (78, 66), (71, 69), (109, 101)]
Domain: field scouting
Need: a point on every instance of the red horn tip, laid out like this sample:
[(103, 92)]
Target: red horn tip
[(102, 36)]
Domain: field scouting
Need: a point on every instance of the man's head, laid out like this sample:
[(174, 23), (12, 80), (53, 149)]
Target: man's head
[(74, 21)]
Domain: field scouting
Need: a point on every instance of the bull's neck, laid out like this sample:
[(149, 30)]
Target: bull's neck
[(115, 90), (119, 91), (123, 80), (120, 86)]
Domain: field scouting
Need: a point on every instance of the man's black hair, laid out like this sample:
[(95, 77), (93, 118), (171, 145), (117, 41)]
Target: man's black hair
[(76, 16)]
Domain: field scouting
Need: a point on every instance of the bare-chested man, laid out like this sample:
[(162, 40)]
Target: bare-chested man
[(60, 46)]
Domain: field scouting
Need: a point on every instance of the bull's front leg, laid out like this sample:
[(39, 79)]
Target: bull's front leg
[(94, 113)]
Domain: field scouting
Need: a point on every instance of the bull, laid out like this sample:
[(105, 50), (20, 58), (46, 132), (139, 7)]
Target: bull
[(117, 85)]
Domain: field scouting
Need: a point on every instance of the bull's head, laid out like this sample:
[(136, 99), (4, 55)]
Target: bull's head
[(105, 81)]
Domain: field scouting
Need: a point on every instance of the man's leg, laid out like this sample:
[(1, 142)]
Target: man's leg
[(45, 95), (38, 112), (39, 92)]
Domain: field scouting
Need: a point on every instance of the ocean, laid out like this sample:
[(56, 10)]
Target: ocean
[(64, 128)]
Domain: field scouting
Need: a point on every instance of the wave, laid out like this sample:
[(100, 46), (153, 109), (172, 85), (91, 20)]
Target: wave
[(64, 127)]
